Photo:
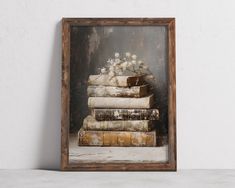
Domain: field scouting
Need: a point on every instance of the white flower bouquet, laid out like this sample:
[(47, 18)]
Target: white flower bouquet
[(128, 65)]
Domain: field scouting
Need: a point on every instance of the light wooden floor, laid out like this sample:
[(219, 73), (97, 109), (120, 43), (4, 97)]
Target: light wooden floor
[(115, 154), (180, 179)]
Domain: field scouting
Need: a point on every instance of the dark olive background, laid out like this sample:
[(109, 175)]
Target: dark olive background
[(92, 46)]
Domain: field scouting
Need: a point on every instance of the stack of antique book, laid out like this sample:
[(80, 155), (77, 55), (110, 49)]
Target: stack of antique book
[(121, 112)]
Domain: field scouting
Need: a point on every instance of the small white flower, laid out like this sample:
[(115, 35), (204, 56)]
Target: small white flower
[(112, 61), (128, 54), (116, 114), (134, 56), (117, 61), (133, 62), (116, 55), (140, 62), (151, 76), (145, 67), (103, 70)]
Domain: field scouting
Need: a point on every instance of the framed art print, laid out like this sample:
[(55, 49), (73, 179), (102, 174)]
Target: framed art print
[(118, 94)]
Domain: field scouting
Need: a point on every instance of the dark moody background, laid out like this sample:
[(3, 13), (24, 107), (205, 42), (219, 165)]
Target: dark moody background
[(92, 46)]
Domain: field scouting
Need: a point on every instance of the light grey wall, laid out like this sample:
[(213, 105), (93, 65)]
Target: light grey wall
[(30, 51)]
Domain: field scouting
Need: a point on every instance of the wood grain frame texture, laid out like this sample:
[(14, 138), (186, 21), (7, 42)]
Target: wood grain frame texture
[(171, 165)]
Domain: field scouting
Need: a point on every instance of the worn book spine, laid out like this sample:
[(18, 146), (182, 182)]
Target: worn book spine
[(120, 102), (119, 81), (111, 91), (125, 114), (90, 123), (116, 138)]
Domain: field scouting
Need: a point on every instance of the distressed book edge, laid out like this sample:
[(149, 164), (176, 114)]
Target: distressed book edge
[(132, 91), (125, 125), (110, 117)]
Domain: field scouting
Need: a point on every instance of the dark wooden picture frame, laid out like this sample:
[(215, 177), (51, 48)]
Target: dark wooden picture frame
[(65, 116)]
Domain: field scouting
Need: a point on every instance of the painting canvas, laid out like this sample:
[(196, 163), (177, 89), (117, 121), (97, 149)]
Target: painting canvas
[(118, 105)]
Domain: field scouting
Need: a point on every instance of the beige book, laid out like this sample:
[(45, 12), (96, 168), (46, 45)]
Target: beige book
[(119, 81), (116, 138), (124, 114), (90, 123), (112, 91), (120, 102)]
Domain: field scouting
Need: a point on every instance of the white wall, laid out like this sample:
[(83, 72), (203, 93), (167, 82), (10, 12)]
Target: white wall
[(30, 59)]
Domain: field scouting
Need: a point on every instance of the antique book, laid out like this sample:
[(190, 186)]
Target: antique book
[(116, 138), (112, 91), (125, 114), (89, 123), (120, 102), (119, 81)]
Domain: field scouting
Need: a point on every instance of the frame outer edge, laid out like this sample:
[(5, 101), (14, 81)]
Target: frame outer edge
[(172, 96), (65, 95)]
